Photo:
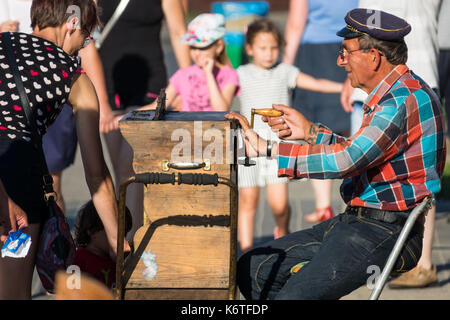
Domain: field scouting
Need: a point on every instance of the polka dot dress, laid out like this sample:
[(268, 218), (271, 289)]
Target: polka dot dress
[(46, 72)]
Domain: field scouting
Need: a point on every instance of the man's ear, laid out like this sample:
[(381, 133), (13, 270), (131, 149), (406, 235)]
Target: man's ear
[(375, 58)]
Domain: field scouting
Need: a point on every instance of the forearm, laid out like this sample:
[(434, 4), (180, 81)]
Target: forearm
[(218, 102), (104, 199), (329, 86), (293, 38), (295, 26), (91, 63), (174, 12), (181, 51)]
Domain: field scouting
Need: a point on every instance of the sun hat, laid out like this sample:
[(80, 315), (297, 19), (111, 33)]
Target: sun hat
[(205, 29)]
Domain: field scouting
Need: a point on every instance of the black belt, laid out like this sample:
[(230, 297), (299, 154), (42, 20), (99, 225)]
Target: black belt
[(394, 217)]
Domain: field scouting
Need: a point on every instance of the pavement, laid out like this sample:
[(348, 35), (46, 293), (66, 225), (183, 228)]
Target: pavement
[(301, 200)]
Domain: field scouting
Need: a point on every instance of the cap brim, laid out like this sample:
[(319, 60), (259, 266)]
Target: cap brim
[(347, 33), (195, 42)]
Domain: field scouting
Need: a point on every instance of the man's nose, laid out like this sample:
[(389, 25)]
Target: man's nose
[(340, 61)]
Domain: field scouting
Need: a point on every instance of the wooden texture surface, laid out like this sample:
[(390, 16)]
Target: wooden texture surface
[(186, 257), (187, 227)]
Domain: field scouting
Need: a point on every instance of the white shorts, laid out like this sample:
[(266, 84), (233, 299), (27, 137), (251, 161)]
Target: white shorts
[(263, 173)]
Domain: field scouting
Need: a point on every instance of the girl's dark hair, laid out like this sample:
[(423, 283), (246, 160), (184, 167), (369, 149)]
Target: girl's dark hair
[(54, 13), (263, 25), (88, 222)]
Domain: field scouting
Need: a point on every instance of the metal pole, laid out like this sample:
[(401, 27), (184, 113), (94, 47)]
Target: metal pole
[(417, 211), (121, 236)]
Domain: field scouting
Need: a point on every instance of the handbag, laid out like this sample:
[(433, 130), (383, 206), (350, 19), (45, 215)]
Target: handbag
[(56, 248)]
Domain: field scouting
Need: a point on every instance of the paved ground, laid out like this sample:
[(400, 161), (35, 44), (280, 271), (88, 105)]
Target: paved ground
[(302, 201)]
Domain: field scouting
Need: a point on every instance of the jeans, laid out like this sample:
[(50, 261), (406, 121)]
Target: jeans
[(338, 253)]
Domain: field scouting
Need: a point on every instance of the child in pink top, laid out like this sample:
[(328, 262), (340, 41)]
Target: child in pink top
[(210, 83), (191, 84)]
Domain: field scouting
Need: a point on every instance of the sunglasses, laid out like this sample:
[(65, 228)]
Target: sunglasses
[(87, 42)]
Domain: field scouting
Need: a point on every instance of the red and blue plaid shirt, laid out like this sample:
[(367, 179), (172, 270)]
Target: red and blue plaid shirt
[(395, 159)]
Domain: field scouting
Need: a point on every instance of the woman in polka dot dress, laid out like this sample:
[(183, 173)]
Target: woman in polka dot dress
[(51, 76)]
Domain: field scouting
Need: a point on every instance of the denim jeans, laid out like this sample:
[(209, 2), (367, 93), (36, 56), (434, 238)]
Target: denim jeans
[(338, 253)]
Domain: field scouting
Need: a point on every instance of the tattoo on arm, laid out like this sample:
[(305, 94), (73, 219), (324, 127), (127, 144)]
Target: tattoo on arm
[(312, 134)]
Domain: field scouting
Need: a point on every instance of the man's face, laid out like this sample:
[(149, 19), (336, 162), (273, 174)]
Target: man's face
[(355, 62)]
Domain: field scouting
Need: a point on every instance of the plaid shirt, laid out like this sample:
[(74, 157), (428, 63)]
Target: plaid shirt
[(395, 159)]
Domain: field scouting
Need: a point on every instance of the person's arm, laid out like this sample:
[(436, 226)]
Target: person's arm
[(379, 139), (174, 15), (85, 104), (305, 81), (92, 64), (328, 156), (295, 26), (12, 217), (220, 98)]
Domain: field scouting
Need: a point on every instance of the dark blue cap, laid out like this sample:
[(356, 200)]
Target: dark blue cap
[(375, 23)]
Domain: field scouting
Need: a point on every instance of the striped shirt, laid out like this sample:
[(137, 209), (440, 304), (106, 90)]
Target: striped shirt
[(394, 160), (260, 88)]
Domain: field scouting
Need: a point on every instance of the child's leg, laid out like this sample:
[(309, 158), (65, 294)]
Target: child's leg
[(277, 196), (248, 203)]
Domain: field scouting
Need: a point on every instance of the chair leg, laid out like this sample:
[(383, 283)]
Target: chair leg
[(417, 211)]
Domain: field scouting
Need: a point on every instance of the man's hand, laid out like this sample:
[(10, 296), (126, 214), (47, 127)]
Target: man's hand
[(254, 145), (292, 125), (346, 96)]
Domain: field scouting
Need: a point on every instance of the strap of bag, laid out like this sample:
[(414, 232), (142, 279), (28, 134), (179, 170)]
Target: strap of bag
[(35, 136), (112, 21)]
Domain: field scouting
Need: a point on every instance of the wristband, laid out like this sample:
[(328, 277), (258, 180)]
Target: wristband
[(269, 149)]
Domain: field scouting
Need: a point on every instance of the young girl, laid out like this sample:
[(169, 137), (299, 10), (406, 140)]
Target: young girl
[(92, 255), (264, 82), (210, 83)]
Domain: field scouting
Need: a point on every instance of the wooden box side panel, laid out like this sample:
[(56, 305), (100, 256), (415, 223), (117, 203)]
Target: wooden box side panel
[(179, 141), (186, 257)]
